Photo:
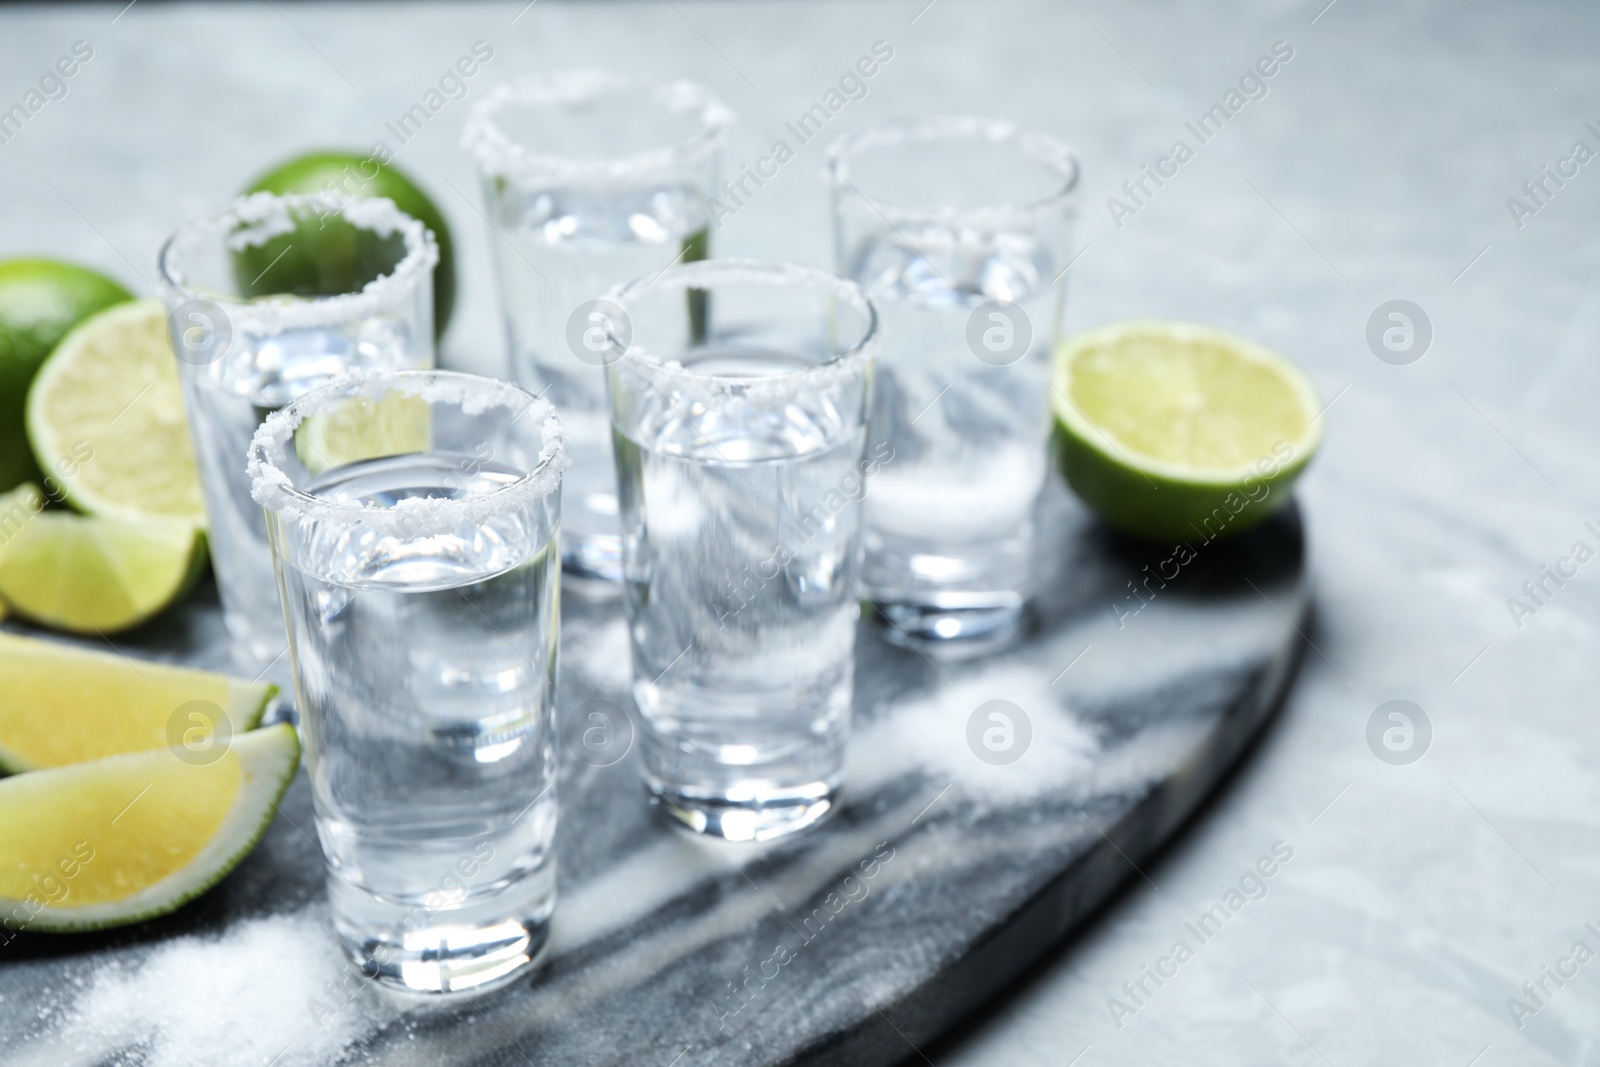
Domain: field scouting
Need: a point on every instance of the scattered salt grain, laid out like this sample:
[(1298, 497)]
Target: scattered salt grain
[(931, 730), (274, 990)]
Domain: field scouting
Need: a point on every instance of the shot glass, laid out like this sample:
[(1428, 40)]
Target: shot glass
[(958, 229), (267, 299), (739, 392), (414, 518), (590, 179)]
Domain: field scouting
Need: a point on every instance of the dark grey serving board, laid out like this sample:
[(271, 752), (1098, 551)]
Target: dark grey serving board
[(673, 951)]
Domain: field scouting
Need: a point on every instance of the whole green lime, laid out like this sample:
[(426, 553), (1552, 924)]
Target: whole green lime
[(40, 300), (337, 261)]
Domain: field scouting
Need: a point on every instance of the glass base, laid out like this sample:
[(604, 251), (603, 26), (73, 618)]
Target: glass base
[(772, 814), (953, 625), (951, 600), (474, 949), (475, 959)]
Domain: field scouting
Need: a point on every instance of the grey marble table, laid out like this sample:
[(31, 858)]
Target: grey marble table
[(1424, 905)]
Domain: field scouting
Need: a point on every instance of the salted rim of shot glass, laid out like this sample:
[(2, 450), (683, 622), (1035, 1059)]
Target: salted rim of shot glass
[(1050, 152), (497, 154), (259, 217), (708, 274), (273, 488)]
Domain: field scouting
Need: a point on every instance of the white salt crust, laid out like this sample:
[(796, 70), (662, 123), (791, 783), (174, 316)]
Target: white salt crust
[(273, 489), (257, 218), (1048, 151), (770, 389), (497, 155)]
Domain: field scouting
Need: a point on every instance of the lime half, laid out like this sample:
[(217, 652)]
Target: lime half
[(87, 574), (1176, 431), (134, 836), (106, 418)]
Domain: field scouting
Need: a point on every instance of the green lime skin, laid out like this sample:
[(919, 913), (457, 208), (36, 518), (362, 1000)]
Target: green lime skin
[(321, 256), (332, 256), (697, 246), (1158, 508), (40, 300)]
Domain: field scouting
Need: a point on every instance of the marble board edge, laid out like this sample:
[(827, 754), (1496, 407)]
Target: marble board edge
[(897, 1032)]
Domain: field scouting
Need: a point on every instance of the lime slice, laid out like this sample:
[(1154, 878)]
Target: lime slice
[(61, 704), (87, 574), (361, 429), (130, 837), (1176, 431), (105, 417)]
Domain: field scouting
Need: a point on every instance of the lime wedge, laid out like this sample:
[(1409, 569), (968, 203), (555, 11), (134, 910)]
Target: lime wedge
[(1175, 431), (60, 704), (130, 837), (91, 575), (361, 429), (106, 421)]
